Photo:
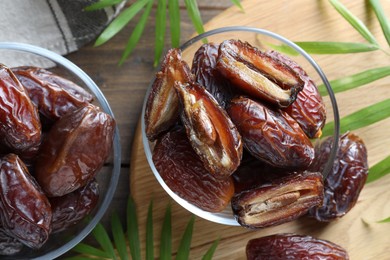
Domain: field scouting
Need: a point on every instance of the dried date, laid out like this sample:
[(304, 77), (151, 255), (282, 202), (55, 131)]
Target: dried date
[(20, 127), (184, 173), (162, 107), (8, 244), (211, 132), (74, 150), (271, 135), (25, 211), (70, 209), (53, 95), (345, 181), (278, 202), (258, 74), (308, 109), (293, 246)]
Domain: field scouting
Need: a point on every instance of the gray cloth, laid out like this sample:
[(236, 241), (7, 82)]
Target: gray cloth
[(61, 26)]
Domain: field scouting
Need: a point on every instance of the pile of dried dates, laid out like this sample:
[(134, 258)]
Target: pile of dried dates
[(53, 143), (237, 127)]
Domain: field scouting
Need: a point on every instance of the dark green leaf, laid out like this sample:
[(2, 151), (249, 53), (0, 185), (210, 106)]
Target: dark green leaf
[(174, 16), (132, 230), (102, 4), (160, 30), (384, 22), (386, 220), (356, 80), (183, 252), (137, 32), (194, 14), (354, 21), (166, 236), (89, 250), (379, 170), (209, 254), (120, 21), (238, 4), (336, 47), (119, 237), (149, 234), (361, 118), (100, 234)]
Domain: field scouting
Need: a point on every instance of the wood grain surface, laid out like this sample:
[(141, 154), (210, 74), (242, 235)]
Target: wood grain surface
[(358, 232)]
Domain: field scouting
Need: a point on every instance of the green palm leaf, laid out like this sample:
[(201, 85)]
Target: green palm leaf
[(184, 249), (160, 30), (100, 234), (209, 254), (194, 14), (119, 237), (132, 230), (379, 170), (336, 47), (386, 220), (166, 236), (174, 16), (383, 20), (238, 4), (90, 250), (149, 233)]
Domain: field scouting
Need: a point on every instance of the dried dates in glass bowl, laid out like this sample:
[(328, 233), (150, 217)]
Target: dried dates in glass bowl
[(229, 127)]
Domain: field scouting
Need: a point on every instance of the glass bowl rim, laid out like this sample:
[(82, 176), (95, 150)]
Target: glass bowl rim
[(215, 217), (67, 64)]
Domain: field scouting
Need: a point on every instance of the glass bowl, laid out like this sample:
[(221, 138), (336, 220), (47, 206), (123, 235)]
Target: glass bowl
[(264, 40), (17, 54)]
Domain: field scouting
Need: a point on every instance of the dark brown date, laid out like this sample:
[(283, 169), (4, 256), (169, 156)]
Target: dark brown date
[(206, 74), (344, 183), (258, 74), (25, 211), (185, 174), (71, 208), (308, 109), (211, 132), (8, 244), (271, 135), (162, 107), (20, 127), (74, 150), (278, 202), (53, 95), (293, 246)]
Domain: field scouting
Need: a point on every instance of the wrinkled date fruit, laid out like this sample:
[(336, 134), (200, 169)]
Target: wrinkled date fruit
[(211, 132), (206, 74), (280, 201), (20, 127), (71, 208), (308, 109), (184, 173), (24, 209), (271, 135), (162, 107), (53, 95), (258, 74), (293, 246), (74, 150), (344, 183), (8, 244)]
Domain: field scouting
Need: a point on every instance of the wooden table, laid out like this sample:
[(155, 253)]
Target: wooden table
[(303, 20)]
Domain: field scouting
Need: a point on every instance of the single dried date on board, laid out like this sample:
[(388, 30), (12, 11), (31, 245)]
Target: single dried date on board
[(162, 107), (271, 135), (20, 127), (211, 132), (278, 202), (258, 74), (345, 181), (293, 246), (25, 212), (53, 95), (184, 173), (308, 109), (74, 150)]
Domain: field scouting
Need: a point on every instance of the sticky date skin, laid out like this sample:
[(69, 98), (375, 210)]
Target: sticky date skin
[(70, 209), (25, 211), (344, 183), (184, 173), (74, 150), (20, 127), (271, 135), (53, 95), (293, 246)]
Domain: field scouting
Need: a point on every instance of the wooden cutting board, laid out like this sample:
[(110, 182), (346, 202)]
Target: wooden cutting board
[(358, 232)]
